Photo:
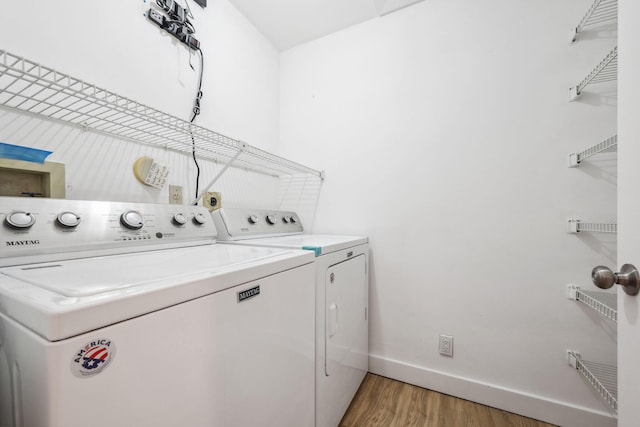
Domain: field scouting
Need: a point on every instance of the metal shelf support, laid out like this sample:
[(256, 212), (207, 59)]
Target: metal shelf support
[(216, 178), (575, 226), (604, 378), (607, 145), (605, 71), (600, 12), (605, 303)]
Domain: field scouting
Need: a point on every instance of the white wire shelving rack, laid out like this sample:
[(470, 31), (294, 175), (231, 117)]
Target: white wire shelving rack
[(604, 378), (608, 145), (605, 71), (604, 303), (600, 12), (33, 89), (576, 226)]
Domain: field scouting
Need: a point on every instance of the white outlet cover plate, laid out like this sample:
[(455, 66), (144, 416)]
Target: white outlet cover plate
[(446, 345)]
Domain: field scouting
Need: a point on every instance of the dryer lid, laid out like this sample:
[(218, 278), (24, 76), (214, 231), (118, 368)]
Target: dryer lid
[(319, 244)]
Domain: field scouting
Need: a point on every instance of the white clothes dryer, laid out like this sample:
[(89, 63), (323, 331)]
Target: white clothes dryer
[(127, 314), (342, 298)]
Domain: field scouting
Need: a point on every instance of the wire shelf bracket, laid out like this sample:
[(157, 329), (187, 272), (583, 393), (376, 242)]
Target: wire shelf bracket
[(608, 145), (604, 303), (33, 89), (605, 71), (575, 226), (604, 378), (600, 12)]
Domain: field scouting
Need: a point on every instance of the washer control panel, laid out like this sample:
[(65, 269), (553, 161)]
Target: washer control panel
[(237, 224), (58, 229)]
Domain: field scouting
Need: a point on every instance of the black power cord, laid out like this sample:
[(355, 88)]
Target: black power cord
[(196, 112), (179, 26)]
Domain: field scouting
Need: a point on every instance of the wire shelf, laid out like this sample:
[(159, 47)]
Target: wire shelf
[(605, 71), (575, 226), (604, 378), (608, 145), (605, 303), (34, 89), (600, 12)]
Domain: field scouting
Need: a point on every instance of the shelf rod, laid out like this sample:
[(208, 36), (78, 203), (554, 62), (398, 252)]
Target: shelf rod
[(600, 11), (575, 226), (30, 88), (605, 71), (609, 144)]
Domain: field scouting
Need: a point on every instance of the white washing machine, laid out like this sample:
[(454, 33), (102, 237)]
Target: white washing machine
[(122, 314), (342, 298)]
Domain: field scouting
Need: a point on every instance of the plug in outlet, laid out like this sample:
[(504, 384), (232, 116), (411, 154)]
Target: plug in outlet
[(175, 195), (446, 345), (212, 200), (175, 24)]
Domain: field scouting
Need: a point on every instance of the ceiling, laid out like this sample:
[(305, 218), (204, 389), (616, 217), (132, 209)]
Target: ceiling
[(288, 23)]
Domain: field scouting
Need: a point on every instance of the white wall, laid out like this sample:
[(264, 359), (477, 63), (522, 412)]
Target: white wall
[(444, 131), (114, 46)]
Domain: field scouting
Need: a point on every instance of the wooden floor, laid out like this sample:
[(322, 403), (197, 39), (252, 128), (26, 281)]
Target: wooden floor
[(384, 402)]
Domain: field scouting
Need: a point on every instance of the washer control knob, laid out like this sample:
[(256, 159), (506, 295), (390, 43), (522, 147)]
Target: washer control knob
[(253, 219), (179, 219), (293, 220), (132, 220), (199, 219), (20, 219), (286, 219), (271, 219), (68, 220)]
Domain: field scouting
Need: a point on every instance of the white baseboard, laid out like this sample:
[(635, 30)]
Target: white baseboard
[(528, 405)]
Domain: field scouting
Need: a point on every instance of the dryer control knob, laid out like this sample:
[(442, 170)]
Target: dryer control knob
[(68, 220), (199, 219), (132, 220), (271, 219), (20, 219), (293, 220), (253, 219), (179, 219), (286, 219)]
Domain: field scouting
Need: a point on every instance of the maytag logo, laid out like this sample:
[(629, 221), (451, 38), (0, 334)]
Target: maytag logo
[(22, 242), (248, 293)]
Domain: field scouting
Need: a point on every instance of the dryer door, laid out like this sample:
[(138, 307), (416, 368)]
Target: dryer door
[(346, 331)]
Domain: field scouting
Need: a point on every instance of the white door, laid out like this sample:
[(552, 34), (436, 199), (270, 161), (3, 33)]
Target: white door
[(628, 209)]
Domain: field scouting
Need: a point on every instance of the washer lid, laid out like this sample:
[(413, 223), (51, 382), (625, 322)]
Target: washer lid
[(319, 244), (62, 299), (86, 278)]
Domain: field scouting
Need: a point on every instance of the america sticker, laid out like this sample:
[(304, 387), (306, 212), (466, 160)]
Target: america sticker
[(93, 357)]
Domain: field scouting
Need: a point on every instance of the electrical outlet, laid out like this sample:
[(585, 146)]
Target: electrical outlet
[(156, 17), (212, 200), (175, 24), (446, 345), (175, 194)]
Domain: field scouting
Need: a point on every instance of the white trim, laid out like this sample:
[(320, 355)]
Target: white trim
[(525, 404)]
